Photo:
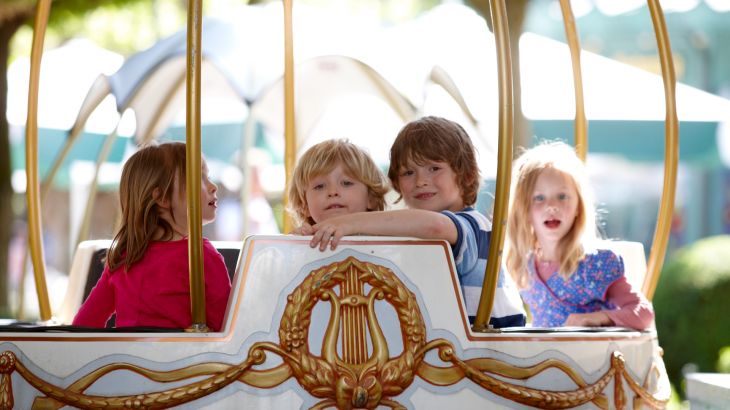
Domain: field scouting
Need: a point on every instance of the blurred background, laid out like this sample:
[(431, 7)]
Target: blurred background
[(111, 79)]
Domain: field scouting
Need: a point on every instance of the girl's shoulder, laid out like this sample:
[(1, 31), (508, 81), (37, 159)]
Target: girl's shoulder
[(602, 262), (600, 250)]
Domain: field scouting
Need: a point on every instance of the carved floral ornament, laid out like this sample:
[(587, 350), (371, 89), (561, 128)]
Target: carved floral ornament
[(358, 379)]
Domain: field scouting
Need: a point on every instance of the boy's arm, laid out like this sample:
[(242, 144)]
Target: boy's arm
[(403, 222)]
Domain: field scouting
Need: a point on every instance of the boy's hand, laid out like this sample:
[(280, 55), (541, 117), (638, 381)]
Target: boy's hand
[(330, 232), (593, 319), (305, 229)]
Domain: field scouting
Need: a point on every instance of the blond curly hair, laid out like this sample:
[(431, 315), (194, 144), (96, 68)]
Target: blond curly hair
[(323, 158)]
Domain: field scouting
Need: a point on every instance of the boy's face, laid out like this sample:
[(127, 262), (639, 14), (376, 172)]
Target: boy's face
[(335, 193), (431, 186)]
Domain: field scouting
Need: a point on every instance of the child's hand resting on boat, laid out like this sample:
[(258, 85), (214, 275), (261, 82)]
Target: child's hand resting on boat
[(593, 319), (330, 231), (304, 230)]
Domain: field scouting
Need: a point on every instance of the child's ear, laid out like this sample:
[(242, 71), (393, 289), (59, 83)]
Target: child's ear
[(161, 202), (372, 203)]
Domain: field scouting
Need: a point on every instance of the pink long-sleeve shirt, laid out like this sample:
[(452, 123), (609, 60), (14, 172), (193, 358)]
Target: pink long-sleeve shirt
[(155, 291)]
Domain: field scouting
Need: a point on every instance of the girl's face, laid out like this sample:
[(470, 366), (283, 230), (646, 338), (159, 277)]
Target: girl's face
[(335, 193), (553, 207), (179, 203), (431, 186)]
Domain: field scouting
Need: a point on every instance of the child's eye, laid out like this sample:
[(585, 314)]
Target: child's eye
[(347, 183), (434, 168), (406, 173), (318, 187), (538, 198), (562, 197)]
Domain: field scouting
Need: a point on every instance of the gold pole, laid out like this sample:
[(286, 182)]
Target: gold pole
[(671, 153), (504, 164), (43, 9), (290, 137), (193, 164), (571, 33)]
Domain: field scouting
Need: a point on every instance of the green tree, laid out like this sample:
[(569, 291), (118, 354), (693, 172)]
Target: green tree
[(691, 306), (13, 15)]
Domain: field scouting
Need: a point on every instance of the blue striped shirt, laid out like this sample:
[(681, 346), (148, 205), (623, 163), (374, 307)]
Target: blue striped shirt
[(470, 256)]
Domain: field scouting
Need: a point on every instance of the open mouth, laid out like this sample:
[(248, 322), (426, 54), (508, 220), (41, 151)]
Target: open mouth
[(334, 206), (426, 195), (552, 223), (213, 203)]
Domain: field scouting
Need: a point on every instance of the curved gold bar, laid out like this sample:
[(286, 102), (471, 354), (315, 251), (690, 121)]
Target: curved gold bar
[(72, 137), (504, 164), (43, 9), (671, 153), (101, 157), (290, 137), (170, 93), (193, 164), (571, 34)]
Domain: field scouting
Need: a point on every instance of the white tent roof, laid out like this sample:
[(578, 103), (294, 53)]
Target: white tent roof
[(612, 90), (67, 73)]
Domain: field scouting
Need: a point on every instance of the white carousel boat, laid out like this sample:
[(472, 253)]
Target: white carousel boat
[(377, 322)]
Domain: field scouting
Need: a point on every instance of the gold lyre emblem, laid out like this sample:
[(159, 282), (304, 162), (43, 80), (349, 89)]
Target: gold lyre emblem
[(358, 378)]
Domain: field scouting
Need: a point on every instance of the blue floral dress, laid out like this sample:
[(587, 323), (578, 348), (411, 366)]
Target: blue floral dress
[(553, 300)]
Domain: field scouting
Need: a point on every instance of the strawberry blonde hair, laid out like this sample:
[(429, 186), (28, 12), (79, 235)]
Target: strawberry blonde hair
[(437, 139), (148, 176), (321, 159), (521, 240)]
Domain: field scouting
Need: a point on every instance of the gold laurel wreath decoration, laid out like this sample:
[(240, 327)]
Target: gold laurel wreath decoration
[(336, 383)]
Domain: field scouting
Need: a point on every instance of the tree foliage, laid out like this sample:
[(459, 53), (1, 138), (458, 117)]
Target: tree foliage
[(691, 306)]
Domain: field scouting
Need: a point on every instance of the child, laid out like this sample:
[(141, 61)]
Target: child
[(433, 167), (551, 235), (332, 178), (145, 280)]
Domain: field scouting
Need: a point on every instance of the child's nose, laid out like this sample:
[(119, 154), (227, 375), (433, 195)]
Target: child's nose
[(552, 206), (333, 192)]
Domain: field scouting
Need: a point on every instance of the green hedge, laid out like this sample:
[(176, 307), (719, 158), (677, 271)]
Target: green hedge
[(692, 304)]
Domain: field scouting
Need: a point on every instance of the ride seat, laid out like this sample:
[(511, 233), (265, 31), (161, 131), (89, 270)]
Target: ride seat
[(634, 260)]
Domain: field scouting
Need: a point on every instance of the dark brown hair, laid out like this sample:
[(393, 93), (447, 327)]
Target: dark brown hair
[(437, 139)]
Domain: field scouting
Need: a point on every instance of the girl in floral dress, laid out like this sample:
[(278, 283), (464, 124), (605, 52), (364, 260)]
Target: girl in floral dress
[(553, 251)]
